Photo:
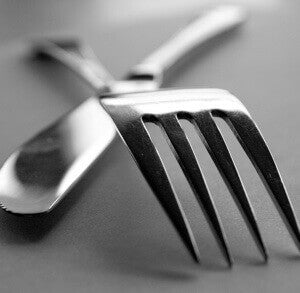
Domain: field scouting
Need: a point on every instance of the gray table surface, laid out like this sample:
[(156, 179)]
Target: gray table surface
[(110, 234)]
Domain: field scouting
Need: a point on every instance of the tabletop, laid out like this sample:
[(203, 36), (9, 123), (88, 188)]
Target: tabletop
[(110, 234)]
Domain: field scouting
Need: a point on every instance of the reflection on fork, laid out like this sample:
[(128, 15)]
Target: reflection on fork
[(40, 173), (130, 112)]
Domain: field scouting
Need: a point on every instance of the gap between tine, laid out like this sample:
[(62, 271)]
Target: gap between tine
[(258, 152), (186, 158), (151, 166), (215, 144)]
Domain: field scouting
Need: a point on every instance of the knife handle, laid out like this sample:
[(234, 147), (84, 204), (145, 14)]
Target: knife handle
[(206, 27)]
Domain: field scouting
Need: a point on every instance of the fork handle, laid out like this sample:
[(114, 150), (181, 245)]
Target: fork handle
[(78, 58), (207, 26)]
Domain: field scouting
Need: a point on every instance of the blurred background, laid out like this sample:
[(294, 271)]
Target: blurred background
[(26, 18)]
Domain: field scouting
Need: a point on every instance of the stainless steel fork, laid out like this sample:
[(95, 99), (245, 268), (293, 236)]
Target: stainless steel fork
[(37, 176), (130, 112), (40, 173)]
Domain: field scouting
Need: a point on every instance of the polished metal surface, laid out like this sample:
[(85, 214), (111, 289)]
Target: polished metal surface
[(110, 234), (38, 175), (41, 172), (131, 111)]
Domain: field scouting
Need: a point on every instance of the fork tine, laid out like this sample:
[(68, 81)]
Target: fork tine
[(151, 166), (184, 153), (255, 146), (219, 152)]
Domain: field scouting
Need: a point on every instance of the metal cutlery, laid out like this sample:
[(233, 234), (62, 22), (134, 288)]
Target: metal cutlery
[(40, 173), (165, 108)]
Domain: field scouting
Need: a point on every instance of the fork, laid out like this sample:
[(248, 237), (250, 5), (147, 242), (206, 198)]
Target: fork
[(165, 108), (41, 172)]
